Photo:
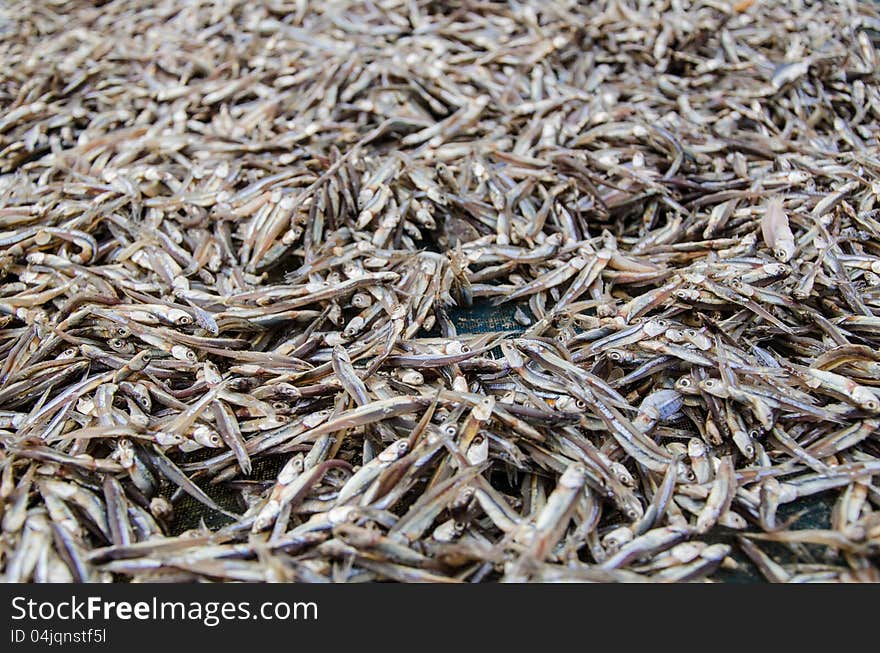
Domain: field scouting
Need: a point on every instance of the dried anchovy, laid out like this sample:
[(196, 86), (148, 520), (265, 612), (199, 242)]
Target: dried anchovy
[(235, 233)]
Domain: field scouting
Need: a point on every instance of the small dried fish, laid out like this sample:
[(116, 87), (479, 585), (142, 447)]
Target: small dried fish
[(511, 292)]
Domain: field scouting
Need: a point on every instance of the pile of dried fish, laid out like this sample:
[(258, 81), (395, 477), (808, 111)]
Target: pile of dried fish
[(236, 235)]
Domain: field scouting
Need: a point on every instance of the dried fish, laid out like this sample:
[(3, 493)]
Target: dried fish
[(243, 254)]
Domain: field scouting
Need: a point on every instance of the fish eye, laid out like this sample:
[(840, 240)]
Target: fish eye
[(279, 405), (450, 429), (684, 382), (459, 526), (215, 439), (183, 320), (477, 441), (689, 475), (662, 323), (691, 332), (191, 355), (754, 433), (871, 405), (710, 383), (465, 349), (580, 403), (402, 446)]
